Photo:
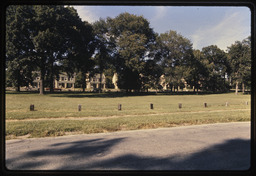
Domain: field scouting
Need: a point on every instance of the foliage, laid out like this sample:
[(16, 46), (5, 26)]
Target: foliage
[(198, 71), (177, 54), (239, 55), (103, 49), (109, 73), (19, 46), (49, 35), (132, 37), (217, 67), (151, 75)]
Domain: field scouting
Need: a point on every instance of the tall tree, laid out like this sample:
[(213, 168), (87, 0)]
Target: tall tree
[(217, 66), (81, 47), (49, 37), (152, 71), (132, 37), (247, 66), (239, 55), (198, 71), (54, 30), (177, 54), (104, 46), (151, 75), (19, 46)]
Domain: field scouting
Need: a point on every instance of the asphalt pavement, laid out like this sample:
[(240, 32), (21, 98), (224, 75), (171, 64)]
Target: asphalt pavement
[(223, 146)]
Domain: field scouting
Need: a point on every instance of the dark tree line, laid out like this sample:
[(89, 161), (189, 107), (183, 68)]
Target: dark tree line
[(53, 39)]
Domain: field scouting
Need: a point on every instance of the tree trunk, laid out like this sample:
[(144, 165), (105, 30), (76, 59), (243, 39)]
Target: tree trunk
[(17, 86), (41, 89), (51, 84), (51, 77), (236, 87), (100, 82), (83, 82), (17, 89), (243, 87)]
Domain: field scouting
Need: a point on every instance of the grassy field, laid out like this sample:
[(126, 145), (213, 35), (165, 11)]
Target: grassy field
[(57, 114)]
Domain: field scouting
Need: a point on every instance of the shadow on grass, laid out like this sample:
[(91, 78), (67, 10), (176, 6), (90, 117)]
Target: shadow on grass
[(124, 94), (114, 94), (97, 154), (79, 94), (21, 92), (101, 95)]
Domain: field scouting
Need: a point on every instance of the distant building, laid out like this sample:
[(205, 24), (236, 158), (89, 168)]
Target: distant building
[(94, 82), (63, 82), (68, 82)]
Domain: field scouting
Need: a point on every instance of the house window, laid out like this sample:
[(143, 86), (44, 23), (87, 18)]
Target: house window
[(62, 78)]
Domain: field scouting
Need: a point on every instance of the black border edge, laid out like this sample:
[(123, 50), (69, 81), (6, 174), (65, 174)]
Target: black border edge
[(2, 91), (248, 3), (253, 90)]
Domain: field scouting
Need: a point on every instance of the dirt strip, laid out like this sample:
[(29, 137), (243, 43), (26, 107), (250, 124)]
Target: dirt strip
[(110, 117)]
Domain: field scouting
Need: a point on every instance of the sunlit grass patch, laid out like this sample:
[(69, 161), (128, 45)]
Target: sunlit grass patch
[(47, 128)]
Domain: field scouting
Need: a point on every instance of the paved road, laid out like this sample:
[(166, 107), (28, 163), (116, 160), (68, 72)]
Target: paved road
[(223, 146)]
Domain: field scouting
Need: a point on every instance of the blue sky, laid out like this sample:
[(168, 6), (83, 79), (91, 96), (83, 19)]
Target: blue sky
[(203, 26)]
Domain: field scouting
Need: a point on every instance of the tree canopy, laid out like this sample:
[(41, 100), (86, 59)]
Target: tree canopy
[(48, 39), (177, 55), (217, 67), (239, 55), (130, 37)]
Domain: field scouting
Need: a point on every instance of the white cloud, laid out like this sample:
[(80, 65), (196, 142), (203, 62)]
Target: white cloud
[(86, 13), (230, 29), (160, 12)]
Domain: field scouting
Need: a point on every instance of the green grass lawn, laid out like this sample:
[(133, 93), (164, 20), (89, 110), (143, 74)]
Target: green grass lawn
[(135, 113)]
